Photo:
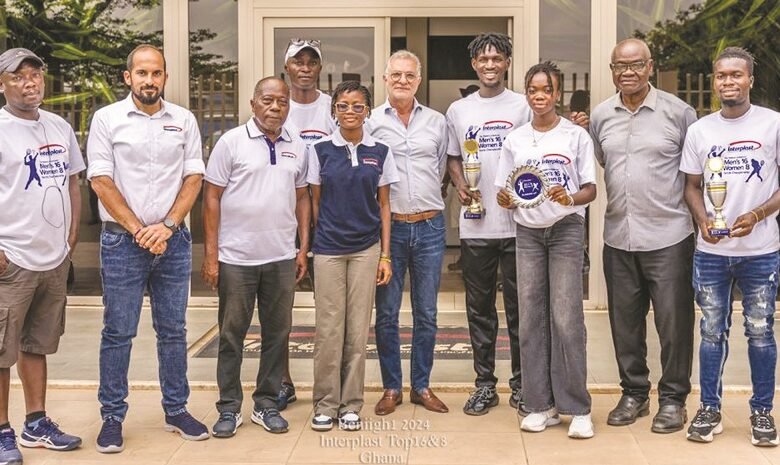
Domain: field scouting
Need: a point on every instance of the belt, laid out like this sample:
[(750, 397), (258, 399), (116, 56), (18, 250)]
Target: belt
[(115, 228), (415, 217)]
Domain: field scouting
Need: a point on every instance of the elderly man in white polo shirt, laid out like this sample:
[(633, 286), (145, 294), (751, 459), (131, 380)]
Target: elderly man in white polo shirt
[(145, 166), (256, 197)]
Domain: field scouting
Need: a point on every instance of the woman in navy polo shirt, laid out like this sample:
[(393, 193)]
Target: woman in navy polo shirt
[(350, 175)]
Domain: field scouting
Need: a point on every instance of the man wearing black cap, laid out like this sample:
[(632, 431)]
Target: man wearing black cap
[(39, 157)]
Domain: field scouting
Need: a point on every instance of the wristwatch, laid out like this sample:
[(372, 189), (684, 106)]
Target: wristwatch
[(170, 224)]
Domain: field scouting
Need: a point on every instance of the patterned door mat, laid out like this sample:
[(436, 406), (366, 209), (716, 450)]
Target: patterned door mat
[(452, 343)]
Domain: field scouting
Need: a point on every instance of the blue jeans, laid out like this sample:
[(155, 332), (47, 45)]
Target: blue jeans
[(128, 270), (419, 246), (756, 277)]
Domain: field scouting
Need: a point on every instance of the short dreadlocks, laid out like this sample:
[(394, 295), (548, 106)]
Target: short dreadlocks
[(501, 42)]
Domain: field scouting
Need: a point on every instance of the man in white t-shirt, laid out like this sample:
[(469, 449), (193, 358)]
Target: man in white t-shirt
[(487, 116), (256, 172), (735, 152), (311, 119), (39, 197)]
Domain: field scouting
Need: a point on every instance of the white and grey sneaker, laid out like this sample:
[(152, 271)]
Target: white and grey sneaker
[(349, 421), (581, 427), (536, 422), (705, 425), (321, 422), (763, 431)]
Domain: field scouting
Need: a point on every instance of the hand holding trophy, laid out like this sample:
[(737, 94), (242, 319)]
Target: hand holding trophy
[(716, 192)]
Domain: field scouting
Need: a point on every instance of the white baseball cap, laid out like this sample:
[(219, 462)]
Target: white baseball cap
[(296, 45)]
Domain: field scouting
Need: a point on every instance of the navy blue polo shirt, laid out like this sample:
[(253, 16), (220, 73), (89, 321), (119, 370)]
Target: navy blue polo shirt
[(349, 219)]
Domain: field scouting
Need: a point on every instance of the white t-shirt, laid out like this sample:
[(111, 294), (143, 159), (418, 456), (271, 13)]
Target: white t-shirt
[(257, 223), (312, 120), (489, 120), (564, 154), (37, 159), (750, 148)]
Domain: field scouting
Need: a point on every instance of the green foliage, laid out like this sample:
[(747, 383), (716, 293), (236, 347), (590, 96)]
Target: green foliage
[(691, 41)]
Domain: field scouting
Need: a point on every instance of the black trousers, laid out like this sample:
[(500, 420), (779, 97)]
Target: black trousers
[(634, 280), (273, 287), (480, 259)]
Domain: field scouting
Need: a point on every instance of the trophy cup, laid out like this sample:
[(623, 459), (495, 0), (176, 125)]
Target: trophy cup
[(472, 172), (716, 192)]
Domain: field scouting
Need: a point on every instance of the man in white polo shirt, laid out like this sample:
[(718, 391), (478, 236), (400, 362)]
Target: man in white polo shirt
[(256, 197), (145, 164), (40, 204)]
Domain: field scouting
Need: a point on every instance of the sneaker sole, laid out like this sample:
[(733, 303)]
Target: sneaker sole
[(112, 449), (642, 413), (226, 434), (12, 462), (175, 429), (485, 410), (259, 421), (327, 427), (38, 444), (556, 420), (696, 437), (765, 442)]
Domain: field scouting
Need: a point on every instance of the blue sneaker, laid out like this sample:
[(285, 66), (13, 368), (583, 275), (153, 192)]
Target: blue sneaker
[(47, 434), (286, 396), (109, 440), (227, 424), (9, 453), (270, 419), (187, 426)]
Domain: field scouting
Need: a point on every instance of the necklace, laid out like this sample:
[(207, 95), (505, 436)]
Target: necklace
[(533, 132)]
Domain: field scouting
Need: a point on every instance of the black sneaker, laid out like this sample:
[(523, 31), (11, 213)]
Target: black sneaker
[(270, 420), (516, 402), (705, 425), (480, 401), (226, 425), (187, 426), (109, 440), (286, 396), (762, 426)]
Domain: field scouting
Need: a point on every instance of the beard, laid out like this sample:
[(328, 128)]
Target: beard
[(147, 99)]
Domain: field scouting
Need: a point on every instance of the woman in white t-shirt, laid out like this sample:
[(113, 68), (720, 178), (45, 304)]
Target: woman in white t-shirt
[(546, 167)]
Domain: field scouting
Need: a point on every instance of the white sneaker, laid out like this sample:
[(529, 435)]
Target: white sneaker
[(581, 427), (538, 421)]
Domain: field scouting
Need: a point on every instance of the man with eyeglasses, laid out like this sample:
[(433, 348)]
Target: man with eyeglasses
[(310, 119), (417, 136), (648, 236), (256, 172), (38, 231)]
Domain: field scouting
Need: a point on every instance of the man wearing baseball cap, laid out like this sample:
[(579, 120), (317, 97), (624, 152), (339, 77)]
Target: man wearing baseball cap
[(39, 197), (310, 118)]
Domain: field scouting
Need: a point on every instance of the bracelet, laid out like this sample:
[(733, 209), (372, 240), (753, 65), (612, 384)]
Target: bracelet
[(763, 212), (756, 215), (385, 258), (571, 204)]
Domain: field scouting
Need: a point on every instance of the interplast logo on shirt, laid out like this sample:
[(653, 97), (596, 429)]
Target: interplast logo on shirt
[(490, 135), (370, 161), (740, 159), (312, 135), (45, 162), (556, 159), (289, 155), (172, 128)]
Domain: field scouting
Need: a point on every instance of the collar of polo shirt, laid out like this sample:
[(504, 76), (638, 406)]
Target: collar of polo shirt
[(254, 131), (387, 108), (650, 100), (132, 108), (367, 140)]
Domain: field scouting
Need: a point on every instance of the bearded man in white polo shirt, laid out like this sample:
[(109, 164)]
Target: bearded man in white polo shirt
[(145, 164), (256, 197)]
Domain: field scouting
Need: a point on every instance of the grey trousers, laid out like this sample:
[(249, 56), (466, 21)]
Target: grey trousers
[(346, 286), (273, 287), (552, 323)]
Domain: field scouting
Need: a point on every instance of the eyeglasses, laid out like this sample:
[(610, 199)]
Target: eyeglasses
[(621, 68), (396, 76), (308, 42), (342, 107)]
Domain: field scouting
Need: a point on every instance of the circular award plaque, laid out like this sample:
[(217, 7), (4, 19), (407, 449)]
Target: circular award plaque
[(527, 185)]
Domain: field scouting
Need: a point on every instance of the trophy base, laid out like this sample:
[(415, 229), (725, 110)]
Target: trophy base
[(719, 232), (473, 215)]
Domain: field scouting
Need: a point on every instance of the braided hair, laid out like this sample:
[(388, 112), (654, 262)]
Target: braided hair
[(501, 42), (350, 86), (547, 68)]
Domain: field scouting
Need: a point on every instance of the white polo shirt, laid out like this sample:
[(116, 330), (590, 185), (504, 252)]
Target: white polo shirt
[(257, 223), (311, 121), (37, 159), (148, 157)]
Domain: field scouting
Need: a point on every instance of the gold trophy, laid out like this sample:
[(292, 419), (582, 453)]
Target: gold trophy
[(716, 192), (472, 170)]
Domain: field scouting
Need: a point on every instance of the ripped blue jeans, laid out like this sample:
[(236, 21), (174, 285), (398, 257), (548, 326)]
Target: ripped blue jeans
[(713, 279)]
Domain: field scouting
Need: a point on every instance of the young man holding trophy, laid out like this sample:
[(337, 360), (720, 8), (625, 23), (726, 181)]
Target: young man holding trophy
[(731, 163)]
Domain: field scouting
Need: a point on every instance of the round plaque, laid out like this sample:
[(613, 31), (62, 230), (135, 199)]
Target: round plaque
[(527, 186)]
